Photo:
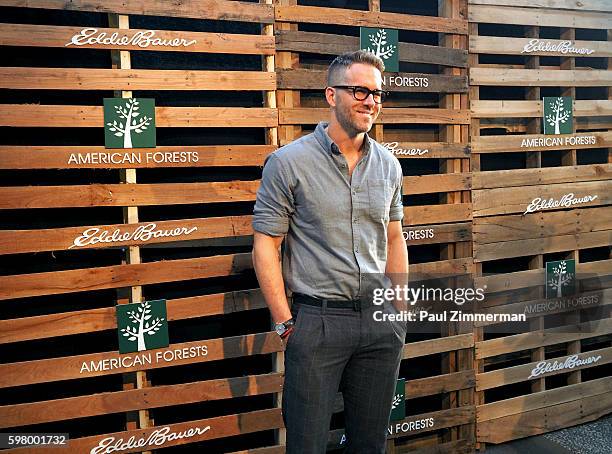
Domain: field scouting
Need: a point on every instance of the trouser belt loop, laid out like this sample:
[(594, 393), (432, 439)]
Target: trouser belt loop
[(323, 306), (357, 305)]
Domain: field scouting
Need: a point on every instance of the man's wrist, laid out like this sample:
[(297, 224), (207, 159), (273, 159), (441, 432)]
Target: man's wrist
[(283, 329)]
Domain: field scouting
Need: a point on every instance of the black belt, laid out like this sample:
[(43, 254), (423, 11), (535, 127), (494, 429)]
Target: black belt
[(356, 305)]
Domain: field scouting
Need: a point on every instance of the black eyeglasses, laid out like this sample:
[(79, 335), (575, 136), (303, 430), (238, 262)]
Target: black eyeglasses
[(362, 93)]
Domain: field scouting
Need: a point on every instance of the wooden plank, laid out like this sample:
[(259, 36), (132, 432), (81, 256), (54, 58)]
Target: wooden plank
[(520, 248), (137, 399), (16, 197), (533, 278), (541, 225), (515, 46), (507, 77), (539, 306), (341, 16), (80, 366), (431, 214), (279, 449), (440, 384), (56, 282), (98, 157), (53, 283), (533, 109), (456, 447), (539, 176), (329, 44), (453, 267), (308, 79), (437, 233), (441, 419), (133, 79), (202, 9), (539, 142), (530, 16), (306, 115), (544, 420), (211, 428), (517, 374), (34, 115), (510, 200), (583, 5), (441, 345), (431, 150), (26, 35), (104, 236), (543, 399), (549, 336), (101, 319), (428, 184)]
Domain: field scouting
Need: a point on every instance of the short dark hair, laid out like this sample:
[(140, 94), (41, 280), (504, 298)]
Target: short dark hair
[(343, 62)]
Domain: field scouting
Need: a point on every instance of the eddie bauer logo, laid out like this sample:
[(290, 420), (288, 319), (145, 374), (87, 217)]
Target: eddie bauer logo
[(566, 201), (142, 326), (129, 123), (394, 148), (570, 362), (158, 437), (143, 38), (564, 47), (147, 232)]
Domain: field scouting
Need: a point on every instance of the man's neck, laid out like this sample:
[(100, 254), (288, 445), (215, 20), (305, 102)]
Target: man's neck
[(348, 145)]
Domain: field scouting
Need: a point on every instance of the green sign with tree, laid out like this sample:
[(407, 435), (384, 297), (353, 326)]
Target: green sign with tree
[(142, 326), (382, 42), (129, 123)]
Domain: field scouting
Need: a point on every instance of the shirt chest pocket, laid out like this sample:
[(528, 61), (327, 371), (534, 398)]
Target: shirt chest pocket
[(379, 198)]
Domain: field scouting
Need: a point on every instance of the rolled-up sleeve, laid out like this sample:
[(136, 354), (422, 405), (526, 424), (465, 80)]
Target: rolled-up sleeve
[(274, 203), (396, 211)]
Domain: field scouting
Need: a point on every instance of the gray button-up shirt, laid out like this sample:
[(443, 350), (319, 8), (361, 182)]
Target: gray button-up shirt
[(336, 225)]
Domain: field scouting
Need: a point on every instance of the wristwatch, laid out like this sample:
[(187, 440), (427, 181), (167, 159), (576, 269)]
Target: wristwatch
[(282, 329)]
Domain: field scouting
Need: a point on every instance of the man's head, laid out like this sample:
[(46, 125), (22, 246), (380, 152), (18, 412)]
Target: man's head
[(355, 69)]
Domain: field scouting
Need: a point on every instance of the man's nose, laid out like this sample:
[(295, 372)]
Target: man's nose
[(369, 101)]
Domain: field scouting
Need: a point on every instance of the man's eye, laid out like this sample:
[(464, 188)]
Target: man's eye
[(362, 92)]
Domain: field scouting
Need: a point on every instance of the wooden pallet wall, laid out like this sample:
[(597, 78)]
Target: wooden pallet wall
[(251, 80), (61, 371), (511, 70)]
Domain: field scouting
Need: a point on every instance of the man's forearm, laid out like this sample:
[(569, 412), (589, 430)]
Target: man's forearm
[(267, 265), (397, 266)]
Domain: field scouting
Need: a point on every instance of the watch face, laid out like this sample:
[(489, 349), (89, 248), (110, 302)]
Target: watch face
[(280, 329)]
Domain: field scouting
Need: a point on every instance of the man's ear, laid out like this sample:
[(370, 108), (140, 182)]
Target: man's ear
[(330, 96)]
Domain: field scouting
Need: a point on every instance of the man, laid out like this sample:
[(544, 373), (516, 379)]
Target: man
[(336, 196)]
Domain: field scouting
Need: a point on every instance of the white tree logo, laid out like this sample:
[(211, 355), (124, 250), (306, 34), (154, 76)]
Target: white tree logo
[(397, 400), (379, 45), (560, 278), (141, 318), (558, 116), (129, 112)]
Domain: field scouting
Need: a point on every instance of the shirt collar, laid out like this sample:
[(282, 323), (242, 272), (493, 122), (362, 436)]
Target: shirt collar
[(328, 144)]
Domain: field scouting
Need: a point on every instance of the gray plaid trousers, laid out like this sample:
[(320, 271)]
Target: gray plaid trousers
[(340, 349)]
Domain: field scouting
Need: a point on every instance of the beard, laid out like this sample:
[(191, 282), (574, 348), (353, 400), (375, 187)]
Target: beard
[(351, 121)]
